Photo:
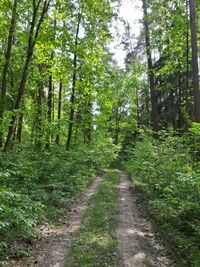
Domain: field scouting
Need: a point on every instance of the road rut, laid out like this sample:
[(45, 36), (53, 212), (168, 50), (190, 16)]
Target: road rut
[(138, 245)]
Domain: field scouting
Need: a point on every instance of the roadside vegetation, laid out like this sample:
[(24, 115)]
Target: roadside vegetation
[(168, 177), (39, 188)]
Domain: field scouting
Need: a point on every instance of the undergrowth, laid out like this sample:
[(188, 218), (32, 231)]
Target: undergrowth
[(39, 187), (164, 172)]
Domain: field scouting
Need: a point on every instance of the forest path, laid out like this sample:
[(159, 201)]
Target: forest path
[(51, 250), (138, 245)]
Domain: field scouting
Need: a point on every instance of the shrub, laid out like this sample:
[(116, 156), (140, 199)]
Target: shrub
[(163, 171), (41, 185), (18, 216)]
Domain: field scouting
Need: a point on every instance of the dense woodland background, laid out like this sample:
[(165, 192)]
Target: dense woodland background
[(67, 111)]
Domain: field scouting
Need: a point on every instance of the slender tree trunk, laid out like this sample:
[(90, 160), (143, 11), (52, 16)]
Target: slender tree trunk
[(12, 126), (187, 64), (179, 103), (33, 35), (49, 111), (187, 75), (53, 104), (6, 66), (50, 101), (38, 140), (19, 129), (59, 112), (90, 122), (72, 100), (155, 120), (53, 112), (195, 68)]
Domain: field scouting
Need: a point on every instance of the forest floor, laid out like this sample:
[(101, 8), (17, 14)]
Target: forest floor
[(107, 217)]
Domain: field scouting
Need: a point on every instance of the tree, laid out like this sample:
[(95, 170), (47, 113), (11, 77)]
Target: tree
[(6, 65), (155, 119), (33, 35), (195, 68), (72, 98)]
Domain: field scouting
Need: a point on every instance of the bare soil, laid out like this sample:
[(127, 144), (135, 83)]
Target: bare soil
[(138, 244)]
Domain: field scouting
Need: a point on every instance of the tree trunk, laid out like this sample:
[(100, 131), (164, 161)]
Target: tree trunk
[(72, 100), (12, 126), (49, 111), (186, 91), (154, 104), (6, 66), (33, 35), (50, 100), (195, 69), (38, 140), (19, 129), (179, 104), (59, 112)]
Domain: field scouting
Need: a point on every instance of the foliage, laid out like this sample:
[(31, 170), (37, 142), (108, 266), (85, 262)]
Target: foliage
[(18, 216), (163, 171), (194, 132), (40, 186)]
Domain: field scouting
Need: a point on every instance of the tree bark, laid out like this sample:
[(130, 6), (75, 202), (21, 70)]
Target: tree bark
[(59, 112), (195, 68), (6, 66), (72, 99), (19, 128), (180, 121), (155, 120), (49, 111), (38, 138)]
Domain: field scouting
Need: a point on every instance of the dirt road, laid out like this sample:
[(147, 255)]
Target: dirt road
[(138, 245)]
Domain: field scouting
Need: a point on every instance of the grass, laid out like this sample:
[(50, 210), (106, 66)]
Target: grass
[(95, 243)]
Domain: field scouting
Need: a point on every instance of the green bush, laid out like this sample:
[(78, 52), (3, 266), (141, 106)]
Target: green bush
[(18, 216), (39, 186), (163, 171)]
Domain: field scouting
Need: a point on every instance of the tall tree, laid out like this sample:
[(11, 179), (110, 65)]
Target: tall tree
[(74, 79), (154, 105), (33, 36), (59, 111), (195, 68), (6, 66), (50, 107), (39, 109)]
